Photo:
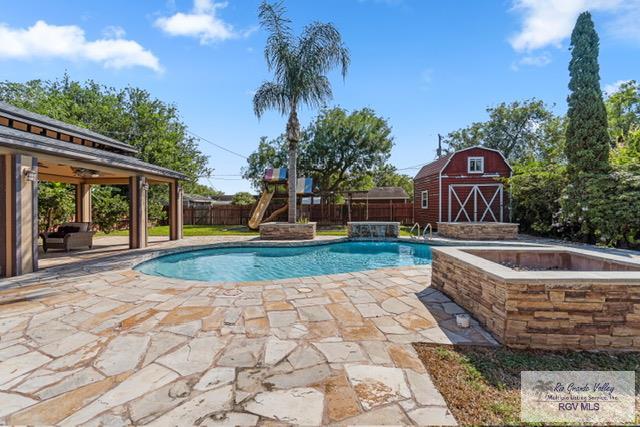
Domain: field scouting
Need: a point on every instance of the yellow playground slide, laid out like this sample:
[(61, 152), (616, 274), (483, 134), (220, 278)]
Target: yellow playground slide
[(261, 208)]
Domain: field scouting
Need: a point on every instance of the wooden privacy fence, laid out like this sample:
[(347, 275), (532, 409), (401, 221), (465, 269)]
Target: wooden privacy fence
[(325, 214)]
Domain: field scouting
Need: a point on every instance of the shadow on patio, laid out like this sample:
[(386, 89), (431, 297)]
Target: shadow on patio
[(102, 247)]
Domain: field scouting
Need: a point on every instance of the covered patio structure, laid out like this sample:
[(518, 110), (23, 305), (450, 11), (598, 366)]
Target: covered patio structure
[(38, 148)]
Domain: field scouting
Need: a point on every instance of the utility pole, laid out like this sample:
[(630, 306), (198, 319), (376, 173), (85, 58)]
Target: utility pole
[(439, 152)]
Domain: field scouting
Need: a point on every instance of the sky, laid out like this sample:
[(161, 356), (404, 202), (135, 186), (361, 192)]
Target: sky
[(427, 66)]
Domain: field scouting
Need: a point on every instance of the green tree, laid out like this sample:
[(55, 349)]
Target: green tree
[(300, 65), (623, 112), (130, 115), (587, 140), (56, 204), (535, 189), (204, 190), (388, 176), (603, 208), (109, 206), (521, 130), (339, 150), (269, 154), (243, 198)]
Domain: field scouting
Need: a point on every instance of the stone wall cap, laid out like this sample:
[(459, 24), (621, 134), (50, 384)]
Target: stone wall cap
[(477, 224), (296, 224), (374, 222), (506, 274)]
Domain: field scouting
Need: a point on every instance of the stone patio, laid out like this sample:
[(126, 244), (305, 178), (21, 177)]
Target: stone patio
[(97, 343)]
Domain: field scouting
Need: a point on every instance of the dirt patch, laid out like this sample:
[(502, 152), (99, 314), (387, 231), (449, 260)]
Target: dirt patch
[(482, 384)]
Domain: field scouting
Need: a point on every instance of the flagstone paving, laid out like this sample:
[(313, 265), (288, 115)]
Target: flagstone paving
[(106, 345)]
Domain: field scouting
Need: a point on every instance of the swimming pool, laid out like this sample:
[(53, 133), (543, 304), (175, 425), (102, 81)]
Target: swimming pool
[(251, 263)]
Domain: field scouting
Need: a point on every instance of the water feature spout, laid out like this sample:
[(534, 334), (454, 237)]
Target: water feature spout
[(373, 229)]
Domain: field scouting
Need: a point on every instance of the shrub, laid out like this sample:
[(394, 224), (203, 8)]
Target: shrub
[(535, 191), (603, 208), (109, 207), (56, 204), (243, 198)]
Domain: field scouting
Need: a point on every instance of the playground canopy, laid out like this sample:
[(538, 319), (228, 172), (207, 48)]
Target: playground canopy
[(280, 175)]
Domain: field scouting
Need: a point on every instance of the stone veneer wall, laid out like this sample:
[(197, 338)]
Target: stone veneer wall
[(473, 289), (578, 315), (287, 231), (373, 229), (478, 230)]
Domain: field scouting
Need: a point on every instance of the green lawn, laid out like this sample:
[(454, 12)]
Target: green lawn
[(228, 230)]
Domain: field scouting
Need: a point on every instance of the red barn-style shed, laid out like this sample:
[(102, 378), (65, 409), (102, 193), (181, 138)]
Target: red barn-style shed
[(463, 186)]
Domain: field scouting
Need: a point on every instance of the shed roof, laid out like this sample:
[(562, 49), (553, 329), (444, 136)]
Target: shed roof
[(439, 164), (40, 120), (379, 193), (196, 198), (434, 167)]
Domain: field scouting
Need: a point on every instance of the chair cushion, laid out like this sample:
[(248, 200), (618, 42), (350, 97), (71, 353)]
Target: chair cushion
[(63, 230), (54, 240), (82, 226)]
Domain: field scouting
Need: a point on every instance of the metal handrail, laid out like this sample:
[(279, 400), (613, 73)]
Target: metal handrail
[(413, 228), (424, 233)]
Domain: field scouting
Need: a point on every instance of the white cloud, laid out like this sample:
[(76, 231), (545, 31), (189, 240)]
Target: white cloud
[(532, 61), (625, 24), (114, 32), (44, 41), (549, 22), (202, 23), (613, 87)]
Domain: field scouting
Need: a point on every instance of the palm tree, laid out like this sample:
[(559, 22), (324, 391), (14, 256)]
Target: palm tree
[(300, 65)]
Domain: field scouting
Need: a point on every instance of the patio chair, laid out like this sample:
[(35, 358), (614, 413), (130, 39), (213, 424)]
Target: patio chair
[(72, 235)]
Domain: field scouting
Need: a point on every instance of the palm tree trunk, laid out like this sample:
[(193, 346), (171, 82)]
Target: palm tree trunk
[(293, 136), (293, 160)]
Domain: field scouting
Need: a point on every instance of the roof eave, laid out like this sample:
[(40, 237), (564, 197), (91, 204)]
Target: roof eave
[(18, 140), (39, 120)]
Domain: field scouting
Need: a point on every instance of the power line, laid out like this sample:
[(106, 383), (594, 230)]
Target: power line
[(227, 179), (413, 167), (217, 145), (200, 138)]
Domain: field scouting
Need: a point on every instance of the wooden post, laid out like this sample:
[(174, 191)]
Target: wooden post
[(138, 220), (18, 215), (367, 215), (83, 202), (175, 211)]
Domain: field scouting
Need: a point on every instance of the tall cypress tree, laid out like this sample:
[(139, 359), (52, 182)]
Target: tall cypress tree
[(587, 146)]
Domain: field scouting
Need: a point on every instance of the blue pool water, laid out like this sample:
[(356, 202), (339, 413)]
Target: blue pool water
[(265, 263)]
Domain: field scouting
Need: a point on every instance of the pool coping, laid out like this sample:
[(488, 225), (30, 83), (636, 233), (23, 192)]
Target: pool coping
[(267, 244), (130, 259), (300, 243)]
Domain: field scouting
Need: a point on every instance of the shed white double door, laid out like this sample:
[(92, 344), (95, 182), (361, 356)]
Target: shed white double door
[(476, 202)]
